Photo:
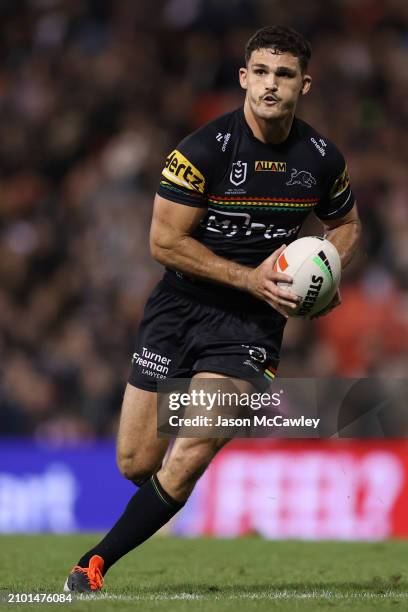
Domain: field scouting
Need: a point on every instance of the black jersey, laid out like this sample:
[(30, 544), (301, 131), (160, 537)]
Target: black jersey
[(256, 195)]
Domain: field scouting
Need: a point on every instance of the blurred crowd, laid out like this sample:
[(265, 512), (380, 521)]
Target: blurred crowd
[(93, 95)]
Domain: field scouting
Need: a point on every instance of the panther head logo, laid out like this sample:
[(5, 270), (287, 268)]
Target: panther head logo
[(301, 177)]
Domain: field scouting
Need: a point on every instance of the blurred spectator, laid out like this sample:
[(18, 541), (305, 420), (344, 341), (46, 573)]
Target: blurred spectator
[(93, 94)]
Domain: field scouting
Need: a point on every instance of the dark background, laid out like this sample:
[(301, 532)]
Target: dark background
[(93, 95)]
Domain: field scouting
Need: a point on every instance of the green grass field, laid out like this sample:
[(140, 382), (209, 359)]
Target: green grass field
[(171, 574)]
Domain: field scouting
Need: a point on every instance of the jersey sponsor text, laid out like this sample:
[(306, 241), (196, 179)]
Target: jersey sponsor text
[(270, 166), (229, 224), (178, 169), (153, 364)]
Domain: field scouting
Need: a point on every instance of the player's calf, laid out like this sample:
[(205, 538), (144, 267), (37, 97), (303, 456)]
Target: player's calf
[(156, 501), (188, 460)]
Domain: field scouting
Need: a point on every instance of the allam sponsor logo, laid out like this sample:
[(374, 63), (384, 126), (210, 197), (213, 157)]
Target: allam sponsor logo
[(270, 166)]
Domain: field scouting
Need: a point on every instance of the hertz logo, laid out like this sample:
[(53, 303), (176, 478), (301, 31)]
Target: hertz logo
[(270, 166), (182, 172)]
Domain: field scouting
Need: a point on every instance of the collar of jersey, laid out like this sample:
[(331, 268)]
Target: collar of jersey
[(282, 145)]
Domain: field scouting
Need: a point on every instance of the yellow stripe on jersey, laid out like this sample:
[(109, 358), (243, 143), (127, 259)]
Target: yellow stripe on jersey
[(181, 171), (340, 184), (270, 373)]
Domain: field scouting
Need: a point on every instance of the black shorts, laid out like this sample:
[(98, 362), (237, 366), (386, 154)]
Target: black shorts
[(180, 336)]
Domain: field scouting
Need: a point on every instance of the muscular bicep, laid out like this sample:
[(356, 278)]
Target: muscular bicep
[(171, 223)]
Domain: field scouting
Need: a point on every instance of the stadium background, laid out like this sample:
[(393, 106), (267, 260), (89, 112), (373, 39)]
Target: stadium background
[(93, 95)]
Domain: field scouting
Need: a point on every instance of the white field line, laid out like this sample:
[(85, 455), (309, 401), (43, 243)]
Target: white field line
[(316, 594)]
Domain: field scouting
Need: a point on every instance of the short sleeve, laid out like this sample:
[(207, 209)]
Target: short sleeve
[(338, 198), (186, 172)]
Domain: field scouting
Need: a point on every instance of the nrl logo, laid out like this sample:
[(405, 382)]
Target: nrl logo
[(301, 177), (238, 173)]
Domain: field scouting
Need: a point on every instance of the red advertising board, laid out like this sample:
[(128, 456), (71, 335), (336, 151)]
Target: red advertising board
[(310, 489)]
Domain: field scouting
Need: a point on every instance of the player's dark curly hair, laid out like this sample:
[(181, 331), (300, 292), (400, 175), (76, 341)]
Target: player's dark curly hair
[(285, 40)]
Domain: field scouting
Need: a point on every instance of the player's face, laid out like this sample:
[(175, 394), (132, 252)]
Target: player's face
[(273, 82)]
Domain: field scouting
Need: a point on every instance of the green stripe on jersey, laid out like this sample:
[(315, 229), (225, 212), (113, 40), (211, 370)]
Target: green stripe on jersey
[(260, 205)]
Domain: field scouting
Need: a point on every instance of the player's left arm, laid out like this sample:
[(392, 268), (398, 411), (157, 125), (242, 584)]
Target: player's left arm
[(345, 234), (337, 211)]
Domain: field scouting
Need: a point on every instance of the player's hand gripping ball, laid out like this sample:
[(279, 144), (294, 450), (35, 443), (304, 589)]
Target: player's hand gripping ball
[(315, 266)]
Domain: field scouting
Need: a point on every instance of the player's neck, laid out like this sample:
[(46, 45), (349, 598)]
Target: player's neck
[(269, 132)]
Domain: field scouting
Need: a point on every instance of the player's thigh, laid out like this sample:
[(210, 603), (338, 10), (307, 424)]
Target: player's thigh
[(204, 449), (139, 451)]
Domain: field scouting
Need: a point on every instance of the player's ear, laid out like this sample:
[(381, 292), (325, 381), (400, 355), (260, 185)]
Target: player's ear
[(306, 84), (243, 72)]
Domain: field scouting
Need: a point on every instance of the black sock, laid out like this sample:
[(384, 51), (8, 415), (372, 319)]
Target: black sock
[(149, 509)]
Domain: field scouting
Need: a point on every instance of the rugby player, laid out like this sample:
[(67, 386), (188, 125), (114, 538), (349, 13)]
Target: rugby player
[(231, 196)]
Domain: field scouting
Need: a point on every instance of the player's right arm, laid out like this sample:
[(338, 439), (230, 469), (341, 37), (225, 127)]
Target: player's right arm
[(172, 245)]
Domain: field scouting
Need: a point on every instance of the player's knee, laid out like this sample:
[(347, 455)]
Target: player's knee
[(134, 468)]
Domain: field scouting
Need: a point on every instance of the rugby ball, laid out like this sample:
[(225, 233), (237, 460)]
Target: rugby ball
[(315, 266)]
